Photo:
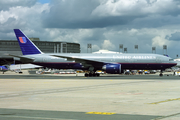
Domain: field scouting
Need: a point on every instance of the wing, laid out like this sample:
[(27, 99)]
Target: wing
[(83, 61)]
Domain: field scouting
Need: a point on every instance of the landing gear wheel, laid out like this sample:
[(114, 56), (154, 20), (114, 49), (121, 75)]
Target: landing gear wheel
[(94, 74), (97, 74), (86, 74), (91, 74), (160, 74)]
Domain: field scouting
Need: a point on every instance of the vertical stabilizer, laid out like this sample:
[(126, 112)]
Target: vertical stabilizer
[(26, 45)]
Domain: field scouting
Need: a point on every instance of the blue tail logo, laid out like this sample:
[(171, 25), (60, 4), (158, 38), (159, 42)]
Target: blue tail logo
[(22, 39), (26, 45)]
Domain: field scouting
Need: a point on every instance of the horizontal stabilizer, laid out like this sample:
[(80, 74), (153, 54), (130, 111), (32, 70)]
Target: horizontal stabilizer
[(23, 59)]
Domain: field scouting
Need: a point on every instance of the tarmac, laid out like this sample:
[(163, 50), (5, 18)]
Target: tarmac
[(75, 97)]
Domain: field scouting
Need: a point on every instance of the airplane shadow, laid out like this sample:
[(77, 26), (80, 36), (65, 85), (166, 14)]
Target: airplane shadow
[(102, 77)]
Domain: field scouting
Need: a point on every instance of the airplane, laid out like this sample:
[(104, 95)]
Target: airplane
[(110, 63), (3, 69), (19, 67), (23, 66)]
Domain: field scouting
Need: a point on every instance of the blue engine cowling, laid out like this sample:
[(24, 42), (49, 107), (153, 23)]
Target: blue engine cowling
[(112, 68)]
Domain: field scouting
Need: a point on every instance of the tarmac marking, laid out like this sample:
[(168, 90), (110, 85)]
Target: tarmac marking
[(13, 95), (168, 100), (172, 115), (65, 89), (128, 93), (101, 113), (27, 117)]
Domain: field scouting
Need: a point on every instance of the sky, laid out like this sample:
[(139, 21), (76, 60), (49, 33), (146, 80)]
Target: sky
[(103, 23)]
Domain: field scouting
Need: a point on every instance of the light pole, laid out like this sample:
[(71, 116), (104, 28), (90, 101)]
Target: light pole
[(154, 49), (120, 47), (125, 50), (165, 48), (89, 46), (136, 47)]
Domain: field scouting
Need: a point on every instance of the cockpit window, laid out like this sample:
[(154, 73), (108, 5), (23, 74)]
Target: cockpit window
[(171, 59)]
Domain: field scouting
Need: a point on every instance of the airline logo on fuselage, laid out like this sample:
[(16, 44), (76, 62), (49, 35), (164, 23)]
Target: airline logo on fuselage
[(22, 39), (134, 57)]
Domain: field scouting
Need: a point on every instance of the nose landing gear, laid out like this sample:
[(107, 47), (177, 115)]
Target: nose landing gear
[(161, 73)]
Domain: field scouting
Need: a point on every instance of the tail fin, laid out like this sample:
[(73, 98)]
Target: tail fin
[(26, 45)]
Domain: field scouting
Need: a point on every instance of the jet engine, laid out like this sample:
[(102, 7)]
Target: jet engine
[(112, 68)]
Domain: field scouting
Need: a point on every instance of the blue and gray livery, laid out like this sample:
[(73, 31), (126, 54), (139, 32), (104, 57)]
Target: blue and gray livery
[(113, 63)]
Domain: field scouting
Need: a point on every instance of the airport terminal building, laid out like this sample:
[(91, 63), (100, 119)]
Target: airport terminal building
[(12, 47)]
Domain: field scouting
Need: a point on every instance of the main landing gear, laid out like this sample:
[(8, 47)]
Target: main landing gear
[(161, 73), (92, 74)]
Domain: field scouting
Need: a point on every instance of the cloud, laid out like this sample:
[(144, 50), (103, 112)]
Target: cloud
[(159, 41), (103, 23), (175, 36), (108, 13), (107, 45), (135, 7), (6, 4), (95, 48), (23, 17), (80, 14), (71, 14)]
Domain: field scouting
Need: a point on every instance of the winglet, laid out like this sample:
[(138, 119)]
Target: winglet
[(26, 45)]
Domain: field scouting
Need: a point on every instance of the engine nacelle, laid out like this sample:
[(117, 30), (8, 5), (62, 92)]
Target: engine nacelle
[(112, 68)]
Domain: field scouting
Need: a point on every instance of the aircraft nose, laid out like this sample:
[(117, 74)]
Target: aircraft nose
[(177, 63)]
